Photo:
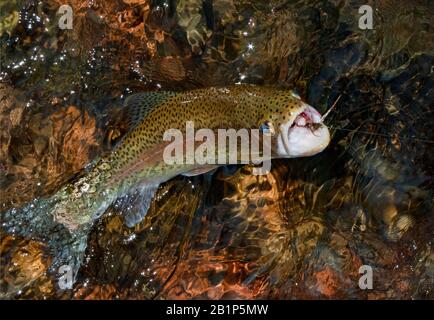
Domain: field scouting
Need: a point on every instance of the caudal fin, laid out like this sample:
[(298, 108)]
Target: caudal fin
[(35, 221)]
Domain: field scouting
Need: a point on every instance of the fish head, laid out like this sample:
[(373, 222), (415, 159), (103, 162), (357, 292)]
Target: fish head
[(296, 130)]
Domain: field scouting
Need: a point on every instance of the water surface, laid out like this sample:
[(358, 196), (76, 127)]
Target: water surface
[(300, 232)]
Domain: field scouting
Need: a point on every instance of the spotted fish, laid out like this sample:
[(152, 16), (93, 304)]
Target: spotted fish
[(136, 166)]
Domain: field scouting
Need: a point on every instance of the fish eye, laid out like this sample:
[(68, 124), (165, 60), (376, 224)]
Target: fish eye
[(295, 95), (267, 128)]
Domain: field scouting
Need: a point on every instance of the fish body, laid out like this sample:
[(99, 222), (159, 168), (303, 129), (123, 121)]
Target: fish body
[(137, 162)]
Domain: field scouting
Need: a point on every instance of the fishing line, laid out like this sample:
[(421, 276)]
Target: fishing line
[(331, 108), (367, 132), (383, 135)]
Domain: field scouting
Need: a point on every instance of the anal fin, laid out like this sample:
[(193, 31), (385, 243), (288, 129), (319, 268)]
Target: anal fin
[(200, 170), (134, 205)]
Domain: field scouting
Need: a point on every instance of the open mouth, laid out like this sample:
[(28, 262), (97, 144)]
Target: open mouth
[(306, 135), (309, 117)]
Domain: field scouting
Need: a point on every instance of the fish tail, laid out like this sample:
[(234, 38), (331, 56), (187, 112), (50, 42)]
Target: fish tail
[(36, 221), (77, 209)]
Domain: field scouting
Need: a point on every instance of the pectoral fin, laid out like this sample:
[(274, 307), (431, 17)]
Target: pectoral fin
[(135, 204)]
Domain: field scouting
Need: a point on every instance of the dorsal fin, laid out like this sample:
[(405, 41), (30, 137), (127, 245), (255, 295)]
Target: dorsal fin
[(139, 105)]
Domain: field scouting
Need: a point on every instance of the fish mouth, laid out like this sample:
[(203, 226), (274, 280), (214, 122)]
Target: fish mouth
[(306, 135)]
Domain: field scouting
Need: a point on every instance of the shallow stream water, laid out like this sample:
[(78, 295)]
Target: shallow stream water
[(300, 232)]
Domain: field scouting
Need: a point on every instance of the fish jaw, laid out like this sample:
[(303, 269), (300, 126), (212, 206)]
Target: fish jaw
[(305, 136)]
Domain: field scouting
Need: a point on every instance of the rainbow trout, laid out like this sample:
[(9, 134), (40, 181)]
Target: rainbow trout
[(136, 165)]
